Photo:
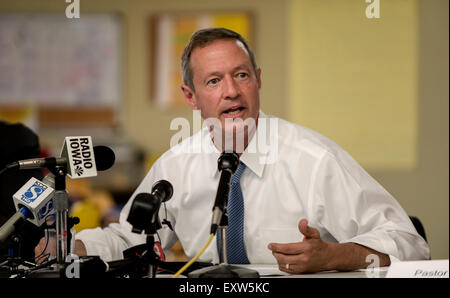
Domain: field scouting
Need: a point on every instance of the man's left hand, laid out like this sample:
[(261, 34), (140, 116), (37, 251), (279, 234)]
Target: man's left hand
[(310, 255)]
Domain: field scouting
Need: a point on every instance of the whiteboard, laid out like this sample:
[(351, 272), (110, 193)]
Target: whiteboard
[(55, 61)]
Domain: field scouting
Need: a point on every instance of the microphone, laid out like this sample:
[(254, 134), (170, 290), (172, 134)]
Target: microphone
[(228, 163), (146, 205), (104, 159), (34, 201), (80, 152), (163, 190)]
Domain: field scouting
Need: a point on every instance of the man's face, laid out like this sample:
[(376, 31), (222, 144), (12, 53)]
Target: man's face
[(225, 83)]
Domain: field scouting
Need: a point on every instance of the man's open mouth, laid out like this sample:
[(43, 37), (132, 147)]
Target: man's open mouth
[(233, 111)]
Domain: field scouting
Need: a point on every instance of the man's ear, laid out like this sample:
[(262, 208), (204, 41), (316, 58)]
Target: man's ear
[(189, 96), (258, 78)]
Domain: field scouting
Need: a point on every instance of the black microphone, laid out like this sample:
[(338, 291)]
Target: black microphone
[(146, 206), (104, 159), (227, 163), (163, 190)]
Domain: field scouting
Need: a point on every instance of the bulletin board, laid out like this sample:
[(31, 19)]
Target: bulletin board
[(67, 70)]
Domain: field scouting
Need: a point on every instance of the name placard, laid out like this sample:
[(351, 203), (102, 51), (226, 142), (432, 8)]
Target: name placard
[(419, 269)]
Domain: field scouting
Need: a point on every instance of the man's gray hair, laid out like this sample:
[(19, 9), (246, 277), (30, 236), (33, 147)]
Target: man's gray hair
[(203, 38)]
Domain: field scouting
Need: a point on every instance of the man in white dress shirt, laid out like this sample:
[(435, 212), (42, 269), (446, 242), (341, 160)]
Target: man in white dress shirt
[(308, 206)]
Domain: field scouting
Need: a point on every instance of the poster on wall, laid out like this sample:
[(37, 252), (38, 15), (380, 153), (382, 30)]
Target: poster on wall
[(55, 65)]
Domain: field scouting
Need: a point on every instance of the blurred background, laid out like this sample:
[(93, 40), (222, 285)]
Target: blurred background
[(371, 76)]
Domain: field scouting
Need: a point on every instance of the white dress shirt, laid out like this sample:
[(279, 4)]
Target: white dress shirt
[(304, 175)]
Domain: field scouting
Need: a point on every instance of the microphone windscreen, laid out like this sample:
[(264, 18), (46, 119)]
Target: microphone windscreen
[(166, 187), (104, 157)]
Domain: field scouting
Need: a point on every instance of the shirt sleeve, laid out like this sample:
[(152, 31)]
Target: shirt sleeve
[(354, 207), (110, 242)]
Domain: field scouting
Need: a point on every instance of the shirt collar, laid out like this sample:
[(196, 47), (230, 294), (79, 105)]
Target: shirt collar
[(252, 157)]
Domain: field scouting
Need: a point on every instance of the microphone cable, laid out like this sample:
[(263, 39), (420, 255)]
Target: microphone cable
[(194, 258), (9, 166)]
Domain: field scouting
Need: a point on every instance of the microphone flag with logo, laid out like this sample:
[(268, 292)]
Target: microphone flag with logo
[(79, 152), (37, 197)]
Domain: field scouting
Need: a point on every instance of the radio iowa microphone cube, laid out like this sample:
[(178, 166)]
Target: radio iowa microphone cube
[(80, 154)]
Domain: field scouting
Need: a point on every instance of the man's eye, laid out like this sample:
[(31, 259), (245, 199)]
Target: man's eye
[(242, 75), (213, 81)]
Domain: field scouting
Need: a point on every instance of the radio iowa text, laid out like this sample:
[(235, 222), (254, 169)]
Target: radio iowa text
[(81, 153)]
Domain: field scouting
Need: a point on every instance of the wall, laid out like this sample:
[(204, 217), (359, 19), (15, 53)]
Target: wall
[(424, 191), (347, 68)]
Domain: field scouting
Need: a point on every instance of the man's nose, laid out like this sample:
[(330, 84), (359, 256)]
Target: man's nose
[(231, 89)]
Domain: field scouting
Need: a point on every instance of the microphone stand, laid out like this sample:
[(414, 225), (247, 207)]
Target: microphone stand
[(61, 202), (150, 256), (228, 163), (144, 207), (222, 235), (223, 269)]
